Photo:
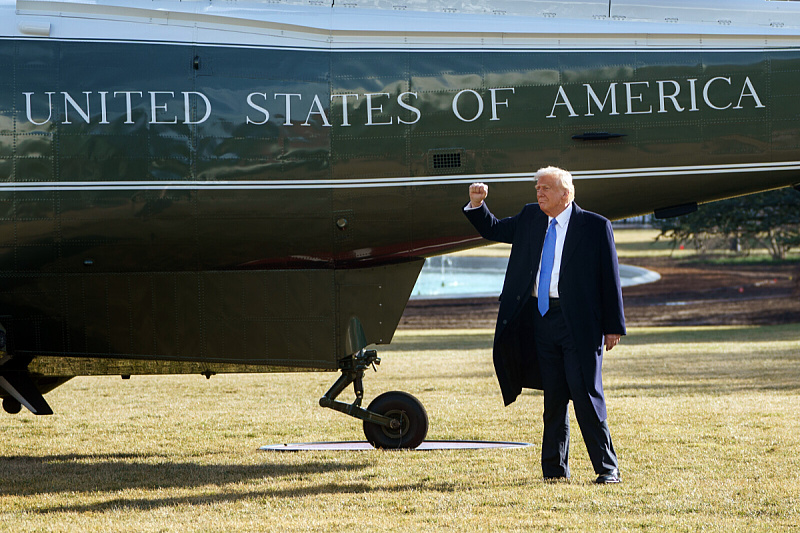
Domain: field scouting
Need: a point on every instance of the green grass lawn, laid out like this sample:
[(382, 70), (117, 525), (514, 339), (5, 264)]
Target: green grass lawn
[(704, 421)]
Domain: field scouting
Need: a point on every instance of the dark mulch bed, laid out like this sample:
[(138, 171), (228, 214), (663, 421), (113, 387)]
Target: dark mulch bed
[(686, 295)]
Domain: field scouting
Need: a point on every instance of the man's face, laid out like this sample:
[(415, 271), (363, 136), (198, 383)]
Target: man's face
[(551, 195)]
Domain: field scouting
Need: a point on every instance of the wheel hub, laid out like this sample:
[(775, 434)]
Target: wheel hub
[(398, 426)]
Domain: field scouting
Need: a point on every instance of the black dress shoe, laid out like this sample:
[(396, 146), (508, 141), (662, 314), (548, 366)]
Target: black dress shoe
[(553, 479), (608, 477)]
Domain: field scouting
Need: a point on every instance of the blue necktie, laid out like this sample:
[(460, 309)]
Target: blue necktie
[(548, 257)]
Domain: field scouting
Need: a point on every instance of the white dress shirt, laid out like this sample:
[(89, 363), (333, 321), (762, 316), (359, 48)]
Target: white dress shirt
[(562, 221)]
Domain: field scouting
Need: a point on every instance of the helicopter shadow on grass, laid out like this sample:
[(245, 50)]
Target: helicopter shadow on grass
[(108, 474), (90, 473)]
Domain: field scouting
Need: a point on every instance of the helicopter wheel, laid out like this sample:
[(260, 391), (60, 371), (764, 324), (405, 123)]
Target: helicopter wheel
[(11, 405), (411, 414)]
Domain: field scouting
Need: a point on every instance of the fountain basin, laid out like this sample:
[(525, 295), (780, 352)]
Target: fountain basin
[(452, 276)]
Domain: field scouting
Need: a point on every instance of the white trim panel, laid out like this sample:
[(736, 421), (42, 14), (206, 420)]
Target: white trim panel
[(366, 183), (325, 27)]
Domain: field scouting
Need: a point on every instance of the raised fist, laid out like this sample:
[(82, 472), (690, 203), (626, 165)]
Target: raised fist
[(478, 193)]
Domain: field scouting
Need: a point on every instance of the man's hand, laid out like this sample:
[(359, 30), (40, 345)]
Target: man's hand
[(478, 193), (611, 341)]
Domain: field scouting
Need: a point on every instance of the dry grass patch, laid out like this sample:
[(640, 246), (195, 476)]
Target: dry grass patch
[(704, 421)]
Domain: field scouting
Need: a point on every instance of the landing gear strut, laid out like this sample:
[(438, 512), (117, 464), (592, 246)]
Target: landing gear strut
[(392, 420)]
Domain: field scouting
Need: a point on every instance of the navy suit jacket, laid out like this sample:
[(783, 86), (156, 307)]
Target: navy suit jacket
[(589, 291)]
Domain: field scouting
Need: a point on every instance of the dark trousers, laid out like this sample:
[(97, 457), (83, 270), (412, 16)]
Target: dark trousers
[(563, 381)]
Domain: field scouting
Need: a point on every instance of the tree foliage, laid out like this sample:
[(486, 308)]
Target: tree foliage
[(768, 220)]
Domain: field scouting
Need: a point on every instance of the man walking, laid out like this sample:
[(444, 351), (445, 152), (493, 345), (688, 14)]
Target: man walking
[(561, 304)]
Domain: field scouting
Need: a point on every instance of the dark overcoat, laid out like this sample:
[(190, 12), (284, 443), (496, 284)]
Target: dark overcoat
[(589, 291)]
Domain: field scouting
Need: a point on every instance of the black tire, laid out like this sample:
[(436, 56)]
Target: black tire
[(413, 421), (11, 405)]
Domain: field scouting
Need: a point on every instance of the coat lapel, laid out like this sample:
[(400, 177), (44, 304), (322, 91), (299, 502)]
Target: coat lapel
[(538, 229), (573, 233)]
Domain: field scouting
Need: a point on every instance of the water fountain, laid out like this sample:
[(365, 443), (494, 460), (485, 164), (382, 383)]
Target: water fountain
[(454, 276)]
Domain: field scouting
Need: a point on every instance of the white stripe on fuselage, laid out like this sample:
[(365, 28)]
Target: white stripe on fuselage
[(365, 183), (748, 44)]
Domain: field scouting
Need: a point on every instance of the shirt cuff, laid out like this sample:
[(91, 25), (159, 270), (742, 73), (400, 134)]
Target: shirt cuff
[(469, 207)]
